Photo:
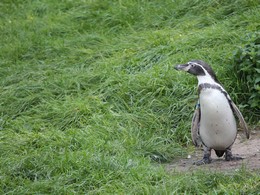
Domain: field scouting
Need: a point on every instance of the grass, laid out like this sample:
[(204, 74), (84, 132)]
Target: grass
[(90, 102)]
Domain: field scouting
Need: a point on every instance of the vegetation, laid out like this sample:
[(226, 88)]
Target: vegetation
[(246, 70), (90, 102)]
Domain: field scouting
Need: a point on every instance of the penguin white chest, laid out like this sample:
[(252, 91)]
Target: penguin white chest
[(218, 128)]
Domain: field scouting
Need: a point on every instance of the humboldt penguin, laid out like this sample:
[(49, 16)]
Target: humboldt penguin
[(213, 123)]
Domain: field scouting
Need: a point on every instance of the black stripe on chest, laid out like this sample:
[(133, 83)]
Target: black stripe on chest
[(212, 86)]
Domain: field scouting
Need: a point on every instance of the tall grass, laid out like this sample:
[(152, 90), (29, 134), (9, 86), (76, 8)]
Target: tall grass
[(90, 102)]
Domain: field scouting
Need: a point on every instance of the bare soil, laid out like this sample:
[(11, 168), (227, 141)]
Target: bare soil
[(248, 149)]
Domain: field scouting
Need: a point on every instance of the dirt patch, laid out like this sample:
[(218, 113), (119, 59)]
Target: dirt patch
[(249, 150)]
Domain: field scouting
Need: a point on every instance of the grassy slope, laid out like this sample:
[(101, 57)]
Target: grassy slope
[(89, 99)]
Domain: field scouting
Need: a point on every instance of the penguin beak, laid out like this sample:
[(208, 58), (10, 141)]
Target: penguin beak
[(184, 67)]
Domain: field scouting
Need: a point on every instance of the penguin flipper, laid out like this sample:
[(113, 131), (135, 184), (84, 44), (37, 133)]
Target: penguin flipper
[(195, 128), (241, 119)]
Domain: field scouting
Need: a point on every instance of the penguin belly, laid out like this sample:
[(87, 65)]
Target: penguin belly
[(218, 128)]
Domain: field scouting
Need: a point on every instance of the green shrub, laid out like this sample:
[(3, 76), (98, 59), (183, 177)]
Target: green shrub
[(246, 71)]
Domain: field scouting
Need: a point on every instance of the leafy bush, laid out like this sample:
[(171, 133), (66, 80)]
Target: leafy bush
[(246, 69)]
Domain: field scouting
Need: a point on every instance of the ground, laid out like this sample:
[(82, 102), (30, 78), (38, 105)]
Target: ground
[(249, 150)]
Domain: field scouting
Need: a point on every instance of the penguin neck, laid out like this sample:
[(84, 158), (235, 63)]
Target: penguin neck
[(206, 79)]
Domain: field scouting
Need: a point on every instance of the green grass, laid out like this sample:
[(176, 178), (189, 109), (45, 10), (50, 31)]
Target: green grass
[(89, 99)]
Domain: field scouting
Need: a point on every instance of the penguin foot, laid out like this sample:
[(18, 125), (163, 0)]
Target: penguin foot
[(203, 161), (233, 158), (229, 156), (206, 157)]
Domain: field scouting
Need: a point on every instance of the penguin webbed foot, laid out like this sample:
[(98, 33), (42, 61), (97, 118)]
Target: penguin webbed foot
[(206, 157), (203, 161), (230, 157), (233, 158), (206, 160)]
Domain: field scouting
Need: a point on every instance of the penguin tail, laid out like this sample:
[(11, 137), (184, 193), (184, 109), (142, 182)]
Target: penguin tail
[(219, 153)]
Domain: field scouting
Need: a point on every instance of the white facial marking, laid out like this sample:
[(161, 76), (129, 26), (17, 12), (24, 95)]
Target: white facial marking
[(187, 68)]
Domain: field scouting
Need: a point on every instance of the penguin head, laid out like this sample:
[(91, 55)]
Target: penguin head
[(198, 68)]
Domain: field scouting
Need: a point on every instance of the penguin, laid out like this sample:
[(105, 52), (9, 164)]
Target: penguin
[(213, 122)]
